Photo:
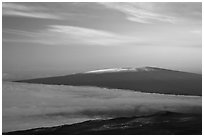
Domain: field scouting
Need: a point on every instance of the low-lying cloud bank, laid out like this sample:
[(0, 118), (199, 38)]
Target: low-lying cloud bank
[(35, 105)]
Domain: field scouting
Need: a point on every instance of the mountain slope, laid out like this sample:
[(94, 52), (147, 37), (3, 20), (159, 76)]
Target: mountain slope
[(164, 123), (148, 79)]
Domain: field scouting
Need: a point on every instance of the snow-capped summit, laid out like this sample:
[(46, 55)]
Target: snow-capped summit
[(108, 70), (122, 70)]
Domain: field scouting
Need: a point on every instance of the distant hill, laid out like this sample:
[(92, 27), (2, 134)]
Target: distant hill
[(163, 123), (146, 79)]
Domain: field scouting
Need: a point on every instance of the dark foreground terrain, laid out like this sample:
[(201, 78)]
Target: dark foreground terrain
[(147, 79), (163, 123)]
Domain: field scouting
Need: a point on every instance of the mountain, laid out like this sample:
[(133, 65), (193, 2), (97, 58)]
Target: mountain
[(146, 79), (163, 123)]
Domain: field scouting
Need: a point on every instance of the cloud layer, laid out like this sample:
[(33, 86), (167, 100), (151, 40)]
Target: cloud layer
[(33, 105)]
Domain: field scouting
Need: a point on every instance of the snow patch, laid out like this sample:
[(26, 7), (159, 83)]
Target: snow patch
[(122, 70)]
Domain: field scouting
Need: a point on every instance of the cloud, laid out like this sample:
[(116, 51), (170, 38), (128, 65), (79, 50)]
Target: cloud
[(48, 105), (184, 12), (75, 35), (154, 12), (91, 36), (138, 12), (22, 10), (145, 13), (22, 36), (19, 32), (65, 34), (199, 32)]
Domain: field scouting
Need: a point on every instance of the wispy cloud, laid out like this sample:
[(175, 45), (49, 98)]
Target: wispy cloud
[(91, 36), (199, 32), (22, 36), (19, 32), (75, 35), (139, 13), (22, 10), (63, 35)]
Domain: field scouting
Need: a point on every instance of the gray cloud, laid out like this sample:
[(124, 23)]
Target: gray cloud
[(159, 12), (64, 34), (137, 13), (22, 10), (156, 13)]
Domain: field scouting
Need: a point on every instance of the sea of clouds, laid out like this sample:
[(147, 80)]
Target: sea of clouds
[(26, 106)]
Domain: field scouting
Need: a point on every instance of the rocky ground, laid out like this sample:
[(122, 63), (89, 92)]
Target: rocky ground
[(163, 123)]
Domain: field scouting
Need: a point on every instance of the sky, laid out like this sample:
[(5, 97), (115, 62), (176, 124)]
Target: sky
[(46, 39)]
